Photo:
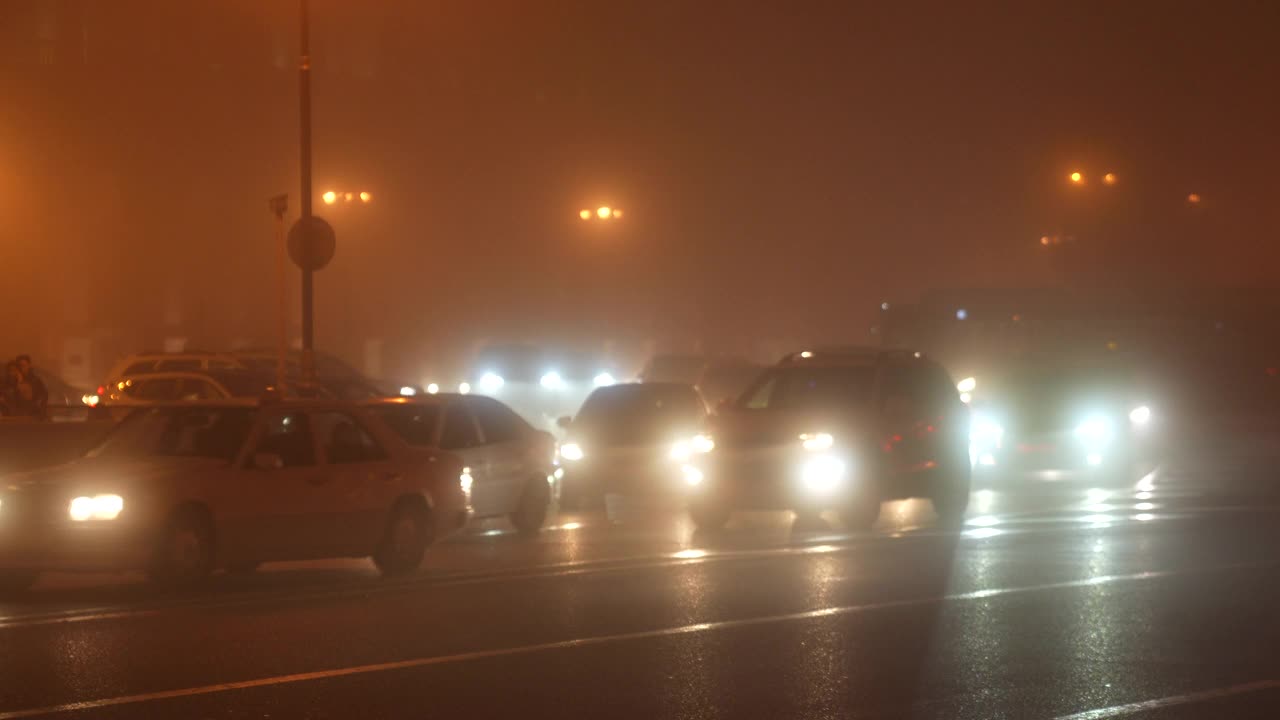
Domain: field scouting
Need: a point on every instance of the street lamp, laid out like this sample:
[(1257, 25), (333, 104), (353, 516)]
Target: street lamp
[(1109, 178), (1077, 178), (604, 212), (331, 197), (584, 214), (1193, 198)]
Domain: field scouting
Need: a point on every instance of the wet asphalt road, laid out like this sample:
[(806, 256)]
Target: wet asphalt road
[(1151, 597)]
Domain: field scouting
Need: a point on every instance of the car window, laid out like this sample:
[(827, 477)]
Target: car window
[(179, 432), (807, 388), (415, 424), (178, 365), (157, 390), (139, 368), (498, 423), (289, 436), (459, 429), (196, 389), (345, 439), (758, 397)]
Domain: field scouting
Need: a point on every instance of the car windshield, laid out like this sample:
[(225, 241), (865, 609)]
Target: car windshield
[(639, 410), (414, 422), (803, 388), (179, 432)]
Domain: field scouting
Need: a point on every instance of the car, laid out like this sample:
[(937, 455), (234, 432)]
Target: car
[(155, 361), (837, 429), (674, 368), (1039, 414), (631, 439), (132, 392), (182, 490), (724, 379), (509, 464), (540, 384)]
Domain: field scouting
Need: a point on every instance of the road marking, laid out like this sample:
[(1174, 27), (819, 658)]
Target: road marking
[(828, 612), (1172, 701)]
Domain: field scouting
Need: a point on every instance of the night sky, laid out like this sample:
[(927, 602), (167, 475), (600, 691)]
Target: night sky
[(783, 166)]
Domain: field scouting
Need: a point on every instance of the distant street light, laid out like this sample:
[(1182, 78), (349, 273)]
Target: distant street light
[(604, 212), (1193, 198), (332, 196), (1077, 178), (1109, 178)]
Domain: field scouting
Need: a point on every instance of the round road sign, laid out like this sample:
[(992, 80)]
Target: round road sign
[(311, 243)]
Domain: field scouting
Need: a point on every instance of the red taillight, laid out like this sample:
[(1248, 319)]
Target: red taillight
[(102, 390)]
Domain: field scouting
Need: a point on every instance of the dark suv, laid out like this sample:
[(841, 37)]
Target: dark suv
[(838, 429)]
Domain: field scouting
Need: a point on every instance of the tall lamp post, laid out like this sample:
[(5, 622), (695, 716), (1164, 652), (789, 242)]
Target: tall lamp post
[(304, 116)]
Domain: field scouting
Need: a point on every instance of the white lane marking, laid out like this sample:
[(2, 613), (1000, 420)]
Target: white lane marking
[(1172, 701), (599, 640)]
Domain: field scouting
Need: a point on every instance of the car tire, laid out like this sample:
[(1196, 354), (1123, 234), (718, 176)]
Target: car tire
[(709, 516), (861, 512), (529, 517), (184, 556), (951, 491), (404, 541), (17, 582)]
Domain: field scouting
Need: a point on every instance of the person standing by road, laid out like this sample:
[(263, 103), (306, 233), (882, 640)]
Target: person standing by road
[(39, 399), (18, 393)]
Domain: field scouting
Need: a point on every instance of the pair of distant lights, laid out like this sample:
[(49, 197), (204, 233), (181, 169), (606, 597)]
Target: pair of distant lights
[(1078, 178), (603, 212), (330, 197)]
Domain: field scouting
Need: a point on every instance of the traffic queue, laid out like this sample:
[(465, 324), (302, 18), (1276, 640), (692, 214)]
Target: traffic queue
[(222, 472)]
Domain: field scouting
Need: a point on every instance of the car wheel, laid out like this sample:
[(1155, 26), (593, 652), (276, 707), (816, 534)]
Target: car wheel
[(862, 512), (16, 582), (708, 515), (404, 541), (532, 512), (184, 555), (951, 493)]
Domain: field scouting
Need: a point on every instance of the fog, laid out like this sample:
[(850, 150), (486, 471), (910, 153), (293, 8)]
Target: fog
[(783, 168)]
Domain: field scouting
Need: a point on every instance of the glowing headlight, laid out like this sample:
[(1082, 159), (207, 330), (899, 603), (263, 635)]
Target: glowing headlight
[(1094, 429), (551, 381), (408, 391), (433, 388), (684, 449), (464, 388), (572, 451), (985, 433), (465, 480), (817, 441), (98, 507), (692, 475), (822, 474), (604, 379), (967, 385), (1140, 415), (491, 383)]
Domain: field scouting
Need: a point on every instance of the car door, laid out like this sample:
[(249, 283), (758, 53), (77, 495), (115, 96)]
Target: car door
[(364, 481), (460, 435), (505, 439), (281, 507)]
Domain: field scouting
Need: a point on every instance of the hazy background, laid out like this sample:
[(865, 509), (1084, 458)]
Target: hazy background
[(784, 167)]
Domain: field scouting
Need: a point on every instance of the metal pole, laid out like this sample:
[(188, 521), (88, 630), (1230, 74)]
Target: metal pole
[(304, 113), (279, 206)]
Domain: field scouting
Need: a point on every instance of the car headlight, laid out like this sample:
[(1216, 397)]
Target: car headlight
[(967, 385), (572, 451), (408, 391), (433, 388), (98, 507), (551, 381), (985, 433), (1140, 415), (817, 441), (692, 475), (491, 383), (464, 388), (685, 449), (822, 474), (1095, 429), (604, 379), (465, 481)]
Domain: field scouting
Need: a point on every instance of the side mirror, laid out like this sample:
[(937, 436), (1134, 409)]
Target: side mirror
[(267, 461), (564, 421)]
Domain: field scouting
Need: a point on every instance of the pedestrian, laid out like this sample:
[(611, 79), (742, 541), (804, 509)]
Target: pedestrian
[(39, 402), (18, 393)]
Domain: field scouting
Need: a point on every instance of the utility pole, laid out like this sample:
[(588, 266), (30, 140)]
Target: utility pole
[(304, 115), (279, 206)]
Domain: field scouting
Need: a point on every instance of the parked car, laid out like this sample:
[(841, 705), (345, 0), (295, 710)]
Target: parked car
[(131, 392), (841, 429), (509, 463), (181, 490)]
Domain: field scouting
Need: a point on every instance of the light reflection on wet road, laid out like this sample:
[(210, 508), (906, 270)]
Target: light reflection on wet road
[(1053, 598)]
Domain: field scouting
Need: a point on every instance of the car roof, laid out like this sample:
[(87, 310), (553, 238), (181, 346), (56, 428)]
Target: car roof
[(851, 356)]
